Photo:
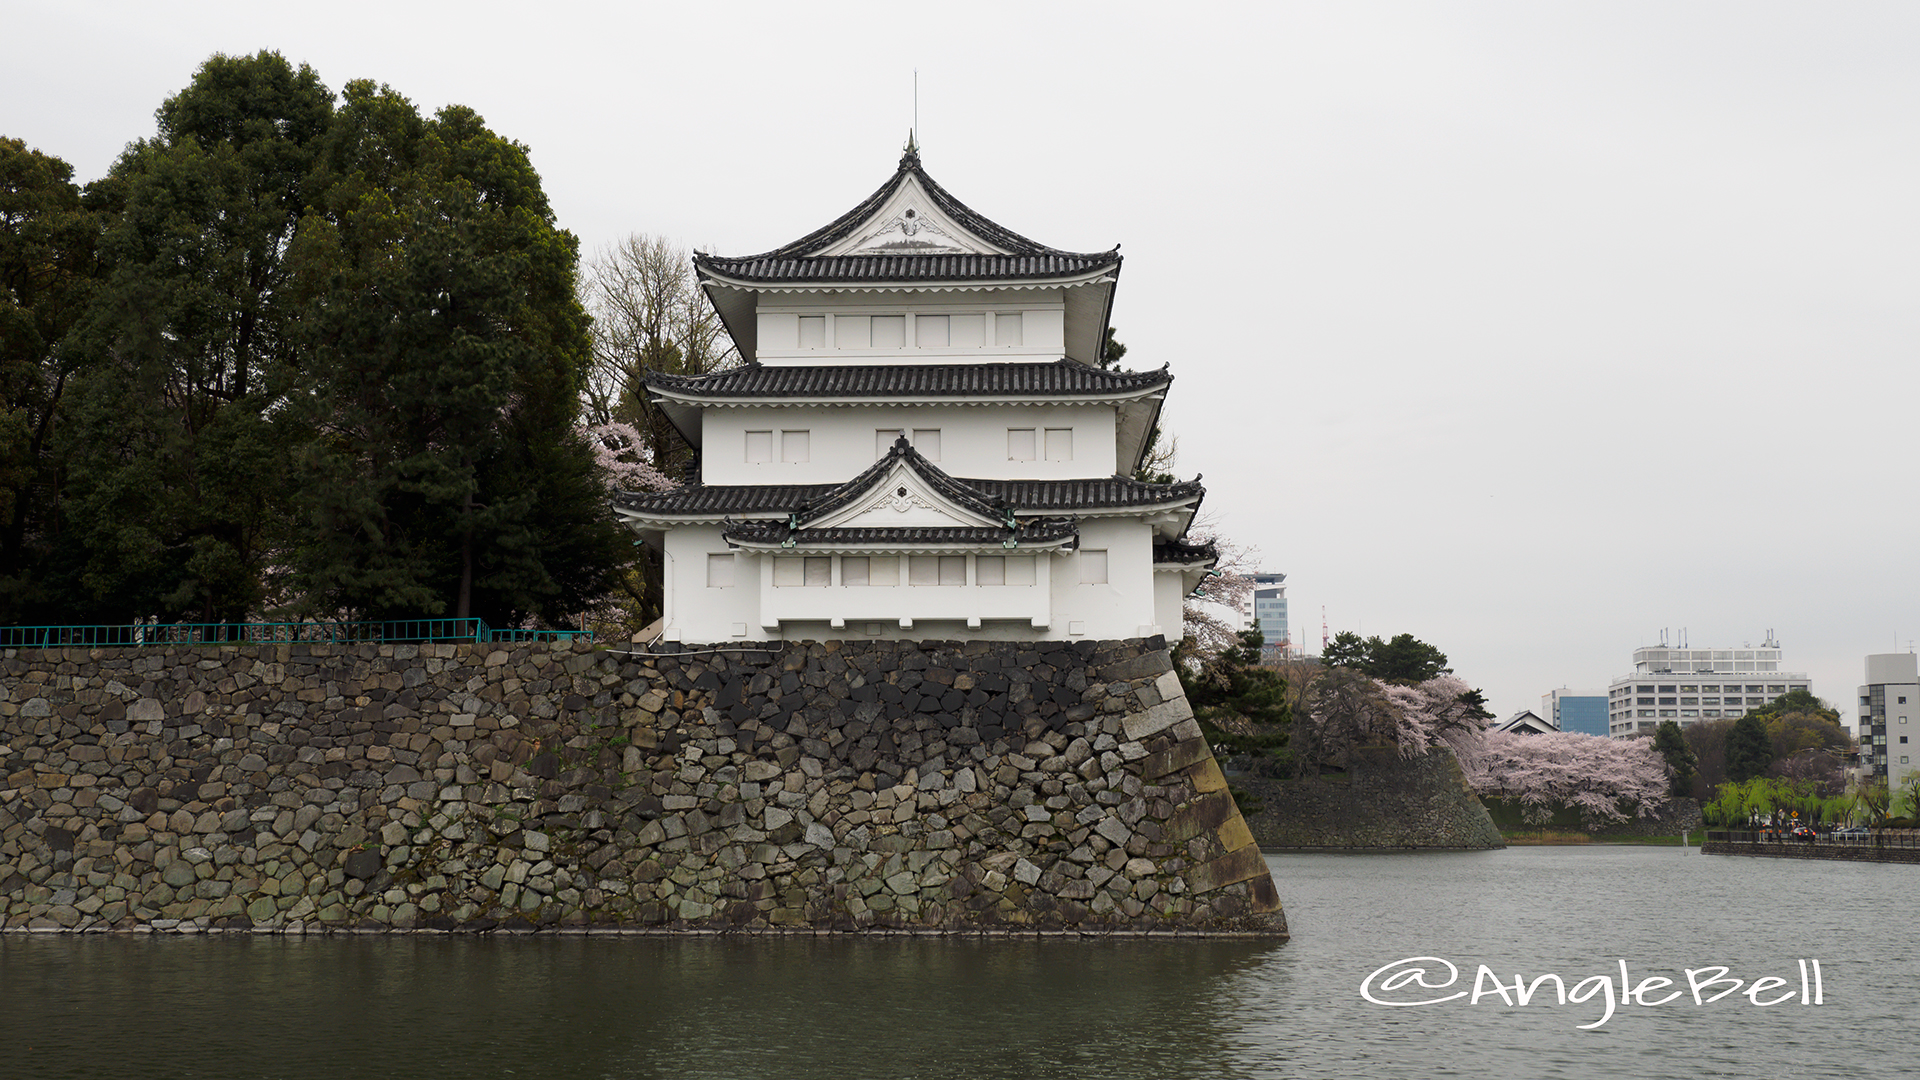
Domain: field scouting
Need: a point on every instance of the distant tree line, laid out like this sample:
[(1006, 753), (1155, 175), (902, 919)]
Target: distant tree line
[(297, 354)]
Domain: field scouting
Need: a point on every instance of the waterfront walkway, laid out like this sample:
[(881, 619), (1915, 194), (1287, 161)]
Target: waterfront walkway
[(1884, 845)]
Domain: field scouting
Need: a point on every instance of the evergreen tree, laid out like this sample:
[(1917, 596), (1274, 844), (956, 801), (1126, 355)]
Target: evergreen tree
[(1242, 707), (1671, 744), (1404, 659), (176, 466), (448, 352), (1748, 750), (49, 267)]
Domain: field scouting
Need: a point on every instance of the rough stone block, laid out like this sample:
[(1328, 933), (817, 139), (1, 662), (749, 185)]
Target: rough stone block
[(1265, 898), (1207, 777), (1243, 864), (1139, 667), (1114, 830), (1181, 755), (1169, 686), (1234, 833), (1203, 814)]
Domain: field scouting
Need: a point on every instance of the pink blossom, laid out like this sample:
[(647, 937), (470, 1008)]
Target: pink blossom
[(617, 446), (1607, 780)]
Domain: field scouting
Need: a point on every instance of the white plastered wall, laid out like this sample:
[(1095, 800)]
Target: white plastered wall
[(842, 441), (695, 611), (1041, 315), (1169, 603), (1127, 605)]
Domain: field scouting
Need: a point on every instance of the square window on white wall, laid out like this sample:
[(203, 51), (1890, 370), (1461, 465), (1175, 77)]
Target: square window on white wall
[(1020, 444), (1093, 567), (788, 572), (759, 446), (853, 332), (793, 446), (1003, 570), (923, 570), (931, 331), (884, 570), (1059, 444), (856, 570), (1009, 329), (819, 571), (927, 441), (813, 331), (1020, 570), (889, 331), (967, 331), (719, 571), (990, 570), (953, 569)]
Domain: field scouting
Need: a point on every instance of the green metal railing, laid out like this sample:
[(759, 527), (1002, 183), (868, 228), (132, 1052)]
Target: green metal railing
[(397, 631)]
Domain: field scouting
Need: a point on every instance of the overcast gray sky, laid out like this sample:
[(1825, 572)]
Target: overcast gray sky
[(1529, 329)]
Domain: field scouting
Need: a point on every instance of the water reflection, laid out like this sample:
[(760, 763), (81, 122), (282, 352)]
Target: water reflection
[(618, 1008)]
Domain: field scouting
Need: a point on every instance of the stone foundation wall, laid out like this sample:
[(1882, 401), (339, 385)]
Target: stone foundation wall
[(932, 787), (1829, 852), (1382, 801)]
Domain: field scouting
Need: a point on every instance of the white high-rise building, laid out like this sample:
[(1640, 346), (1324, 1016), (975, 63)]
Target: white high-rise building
[(1890, 716), (1691, 685), (1265, 610)]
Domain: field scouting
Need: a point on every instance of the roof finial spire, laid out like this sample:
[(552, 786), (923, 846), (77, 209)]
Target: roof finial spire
[(913, 145)]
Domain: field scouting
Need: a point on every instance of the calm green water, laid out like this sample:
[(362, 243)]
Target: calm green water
[(431, 1006)]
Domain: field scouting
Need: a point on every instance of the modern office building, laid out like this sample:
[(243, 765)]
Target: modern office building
[(1584, 711), (1690, 685), (1266, 611), (1889, 706)]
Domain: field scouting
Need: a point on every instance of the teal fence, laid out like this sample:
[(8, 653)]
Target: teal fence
[(399, 631)]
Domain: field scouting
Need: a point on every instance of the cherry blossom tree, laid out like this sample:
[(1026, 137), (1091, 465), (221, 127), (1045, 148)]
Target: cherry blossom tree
[(649, 314), (634, 600), (622, 456), (1606, 780), (1342, 710), (1209, 611)]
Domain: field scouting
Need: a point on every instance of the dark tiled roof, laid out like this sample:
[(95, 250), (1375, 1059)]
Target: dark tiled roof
[(918, 381), (794, 262), (951, 206), (949, 488), (1180, 551), (864, 268), (776, 532), (986, 497), (732, 499), (1068, 495)]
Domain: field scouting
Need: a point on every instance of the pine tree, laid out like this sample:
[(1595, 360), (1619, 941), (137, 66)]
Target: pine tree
[(1671, 744), (1749, 750)]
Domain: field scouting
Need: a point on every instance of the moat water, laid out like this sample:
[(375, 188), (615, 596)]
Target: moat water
[(425, 1006)]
